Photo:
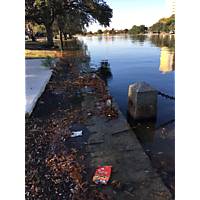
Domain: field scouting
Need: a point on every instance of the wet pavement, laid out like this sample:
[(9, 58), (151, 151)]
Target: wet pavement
[(114, 143), (79, 101)]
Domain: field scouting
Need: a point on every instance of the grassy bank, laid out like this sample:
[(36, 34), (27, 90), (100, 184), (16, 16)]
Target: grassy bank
[(33, 54), (39, 49)]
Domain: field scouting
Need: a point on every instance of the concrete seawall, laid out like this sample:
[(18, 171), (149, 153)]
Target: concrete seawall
[(123, 151)]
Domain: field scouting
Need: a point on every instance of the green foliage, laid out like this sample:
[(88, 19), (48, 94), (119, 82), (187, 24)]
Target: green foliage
[(90, 33), (125, 30), (157, 27), (137, 29), (164, 24), (49, 62), (72, 14), (99, 31), (39, 28)]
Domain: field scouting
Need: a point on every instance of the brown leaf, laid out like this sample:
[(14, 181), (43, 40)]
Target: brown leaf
[(76, 175), (129, 193)]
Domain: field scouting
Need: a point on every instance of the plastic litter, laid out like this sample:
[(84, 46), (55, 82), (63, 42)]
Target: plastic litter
[(94, 75), (108, 102), (77, 133), (102, 174)]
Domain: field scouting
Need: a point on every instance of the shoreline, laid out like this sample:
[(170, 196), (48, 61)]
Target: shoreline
[(123, 34), (51, 119)]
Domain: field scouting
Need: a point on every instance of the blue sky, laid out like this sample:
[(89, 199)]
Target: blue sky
[(127, 13)]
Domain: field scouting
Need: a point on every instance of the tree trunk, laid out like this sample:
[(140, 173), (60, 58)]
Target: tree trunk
[(65, 35), (61, 41), (70, 36), (49, 34)]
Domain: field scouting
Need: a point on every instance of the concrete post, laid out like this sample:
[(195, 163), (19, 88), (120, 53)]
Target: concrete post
[(142, 101)]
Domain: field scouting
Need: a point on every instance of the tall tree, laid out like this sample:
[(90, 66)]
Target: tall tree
[(45, 11)]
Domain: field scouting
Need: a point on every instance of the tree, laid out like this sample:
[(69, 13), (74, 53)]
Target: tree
[(170, 24), (134, 30), (39, 29), (106, 31), (70, 23), (90, 33), (125, 30), (164, 24), (157, 27), (142, 28), (99, 31), (45, 12)]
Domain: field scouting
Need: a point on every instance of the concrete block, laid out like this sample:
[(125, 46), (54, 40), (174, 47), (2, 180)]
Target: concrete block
[(142, 101)]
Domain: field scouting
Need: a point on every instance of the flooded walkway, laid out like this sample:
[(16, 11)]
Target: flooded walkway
[(78, 101), (112, 142)]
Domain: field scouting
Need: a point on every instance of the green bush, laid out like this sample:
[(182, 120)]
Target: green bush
[(49, 62)]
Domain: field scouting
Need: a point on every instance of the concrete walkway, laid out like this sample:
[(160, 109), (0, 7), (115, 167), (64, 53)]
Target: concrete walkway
[(36, 78)]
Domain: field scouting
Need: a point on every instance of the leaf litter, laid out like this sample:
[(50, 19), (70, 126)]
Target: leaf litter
[(52, 170)]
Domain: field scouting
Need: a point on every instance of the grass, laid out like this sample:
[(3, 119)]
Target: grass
[(38, 54), (33, 54)]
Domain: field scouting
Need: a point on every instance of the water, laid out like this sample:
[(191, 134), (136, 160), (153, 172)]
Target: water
[(132, 59)]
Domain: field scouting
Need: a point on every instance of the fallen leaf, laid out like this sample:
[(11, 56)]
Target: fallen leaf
[(164, 172), (160, 152), (114, 181), (76, 175), (129, 193), (74, 150), (161, 193), (118, 185), (115, 169), (114, 191), (155, 174), (82, 157)]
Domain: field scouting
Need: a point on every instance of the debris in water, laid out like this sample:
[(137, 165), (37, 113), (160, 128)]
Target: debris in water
[(108, 102), (77, 133)]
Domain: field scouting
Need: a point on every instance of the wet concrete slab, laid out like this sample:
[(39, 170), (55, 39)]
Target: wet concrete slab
[(131, 167)]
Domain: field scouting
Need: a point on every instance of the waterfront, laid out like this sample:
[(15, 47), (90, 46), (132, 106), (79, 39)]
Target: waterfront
[(131, 59)]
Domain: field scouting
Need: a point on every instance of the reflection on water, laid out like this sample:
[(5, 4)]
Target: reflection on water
[(104, 71), (167, 60), (133, 59)]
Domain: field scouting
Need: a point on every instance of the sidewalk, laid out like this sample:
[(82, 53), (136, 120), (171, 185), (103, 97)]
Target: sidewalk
[(36, 78)]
